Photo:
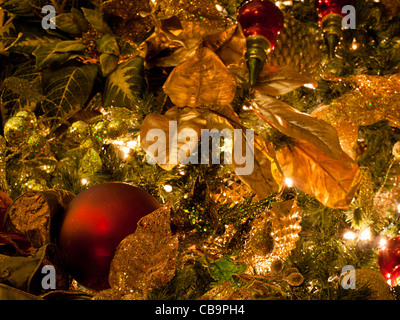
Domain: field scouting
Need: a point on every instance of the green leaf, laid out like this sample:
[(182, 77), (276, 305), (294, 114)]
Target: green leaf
[(68, 88), (125, 83), (108, 44), (45, 55), (66, 23), (80, 20), (108, 63), (95, 18), (69, 46), (224, 269)]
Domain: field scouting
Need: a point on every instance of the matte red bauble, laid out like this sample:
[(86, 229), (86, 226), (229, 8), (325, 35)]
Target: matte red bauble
[(389, 260), (95, 222), (262, 22)]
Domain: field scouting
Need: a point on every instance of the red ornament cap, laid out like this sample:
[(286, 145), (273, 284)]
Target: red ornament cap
[(261, 17), (389, 260)]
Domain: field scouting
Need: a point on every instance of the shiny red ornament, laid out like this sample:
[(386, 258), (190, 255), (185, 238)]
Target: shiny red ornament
[(389, 260), (330, 19), (261, 21), (325, 7), (93, 225), (261, 17)]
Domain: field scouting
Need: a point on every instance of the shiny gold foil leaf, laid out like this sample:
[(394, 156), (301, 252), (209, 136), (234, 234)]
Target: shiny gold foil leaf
[(333, 182), (145, 259), (232, 51), (265, 178), (202, 80), (163, 137), (296, 124), (275, 80)]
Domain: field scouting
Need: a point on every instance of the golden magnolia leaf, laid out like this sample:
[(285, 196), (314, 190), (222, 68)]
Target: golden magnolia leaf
[(232, 51), (296, 124), (145, 259), (202, 80), (275, 80), (265, 178), (333, 182), (158, 131)]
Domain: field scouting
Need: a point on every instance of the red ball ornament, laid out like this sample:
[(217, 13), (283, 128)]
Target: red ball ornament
[(389, 260), (93, 225), (330, 19), (262, 22)]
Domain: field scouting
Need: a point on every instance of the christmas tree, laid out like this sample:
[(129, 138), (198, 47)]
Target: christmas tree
[(199, 150)]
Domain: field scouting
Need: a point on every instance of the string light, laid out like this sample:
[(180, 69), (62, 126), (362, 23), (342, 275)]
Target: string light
[(365, 235), (168, 188), (349, 235), (289, 182)]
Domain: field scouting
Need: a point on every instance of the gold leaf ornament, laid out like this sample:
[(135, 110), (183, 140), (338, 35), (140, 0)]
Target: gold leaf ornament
[(334, 182), (145, 259), (202, 80), (297, 124), (164, 136)]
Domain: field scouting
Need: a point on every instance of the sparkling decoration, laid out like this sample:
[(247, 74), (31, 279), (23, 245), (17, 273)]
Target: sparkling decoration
[(78, 131), (94, 224), (330, 19), (298, 47), (261, 21), (189, 10), (389, 260), (18, 128), (231, 191), (273, 235), (375, 282), (372, 99)]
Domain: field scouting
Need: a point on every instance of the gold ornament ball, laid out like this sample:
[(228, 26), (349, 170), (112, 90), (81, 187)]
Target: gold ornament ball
[(17, 130), (376, 282), (79, 131)]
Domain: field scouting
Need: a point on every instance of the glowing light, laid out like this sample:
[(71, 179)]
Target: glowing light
[(132, 144), (398, 208), (354, 44), (349, 235), (84, 181), (382, 242), (365, 235), (289, 182), (309, 86), (168, 188), (219, 8)]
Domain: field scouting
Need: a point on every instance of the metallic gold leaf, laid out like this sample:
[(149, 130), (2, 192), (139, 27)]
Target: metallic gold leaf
[(333, 182), (233, 50), (296, 124), (186, 118), (265, 177), (275, 80), (145, 259), (202, 80)]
